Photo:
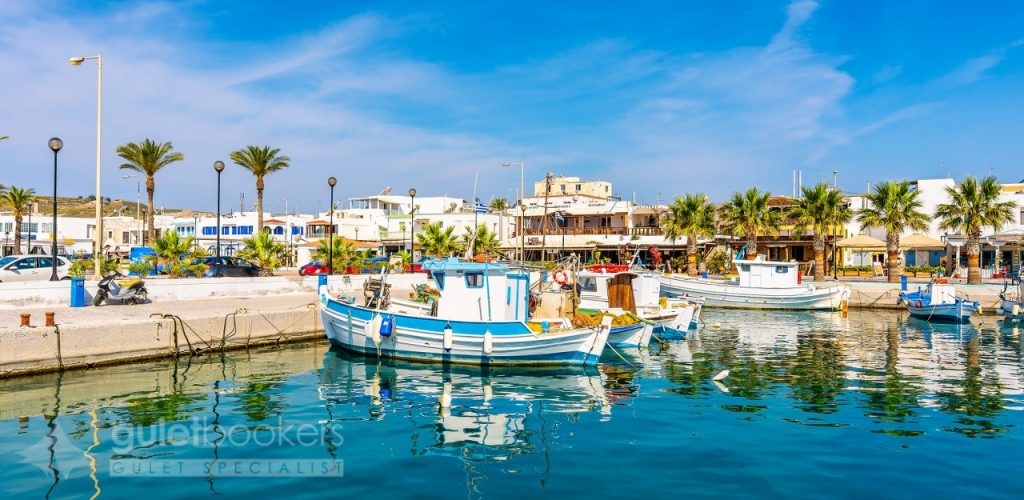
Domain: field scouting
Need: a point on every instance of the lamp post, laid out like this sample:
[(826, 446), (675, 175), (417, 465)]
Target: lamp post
[(331, 181), (412, 226), (835, 248), (98, 237), (544, 221), (219, 167), (138, 197), (55, 145), (522, 208)]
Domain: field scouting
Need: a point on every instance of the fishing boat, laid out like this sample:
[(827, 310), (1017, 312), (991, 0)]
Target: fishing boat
[(481, 314), (637, 293), (762, 284), (938, 302), (1010, 304)]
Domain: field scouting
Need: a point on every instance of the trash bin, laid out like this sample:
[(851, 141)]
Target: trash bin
[(704, 274), (903, 282), (321, 280), (77, 292)]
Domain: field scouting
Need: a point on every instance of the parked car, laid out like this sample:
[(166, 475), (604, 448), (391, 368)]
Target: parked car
[(312, 269), (31, 268), (217, 267)]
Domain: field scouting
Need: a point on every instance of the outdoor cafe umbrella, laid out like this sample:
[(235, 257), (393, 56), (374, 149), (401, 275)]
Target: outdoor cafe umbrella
[(919, 241), (861, 241)]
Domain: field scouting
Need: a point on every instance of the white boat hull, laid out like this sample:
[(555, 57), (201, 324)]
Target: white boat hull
[(417, 337), (719, 294)]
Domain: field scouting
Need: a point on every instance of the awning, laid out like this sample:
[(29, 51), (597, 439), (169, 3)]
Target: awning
[(861, 241), (920, 242)]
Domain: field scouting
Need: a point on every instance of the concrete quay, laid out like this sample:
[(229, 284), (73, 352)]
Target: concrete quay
[(183, 317), (192, 316)]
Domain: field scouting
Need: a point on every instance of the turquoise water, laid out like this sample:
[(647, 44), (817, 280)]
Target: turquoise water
[(874, 405)]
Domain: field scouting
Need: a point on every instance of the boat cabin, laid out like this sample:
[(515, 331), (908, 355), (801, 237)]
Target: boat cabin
[(479, 291), (759, 273)]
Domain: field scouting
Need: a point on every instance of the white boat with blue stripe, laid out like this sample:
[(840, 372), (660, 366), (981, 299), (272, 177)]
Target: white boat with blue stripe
[(479, 316)]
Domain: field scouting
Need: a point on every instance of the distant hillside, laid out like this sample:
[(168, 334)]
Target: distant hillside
[(86, 207)]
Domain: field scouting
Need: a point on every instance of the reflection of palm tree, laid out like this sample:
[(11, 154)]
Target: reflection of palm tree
[(259, 401), (978, 405), (817, 373), (174, 407), (898, 397)]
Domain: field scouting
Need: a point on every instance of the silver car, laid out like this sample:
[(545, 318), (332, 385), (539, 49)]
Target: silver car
[(31, 268)]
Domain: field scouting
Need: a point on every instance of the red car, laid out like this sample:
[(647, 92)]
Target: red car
[(312, 269)]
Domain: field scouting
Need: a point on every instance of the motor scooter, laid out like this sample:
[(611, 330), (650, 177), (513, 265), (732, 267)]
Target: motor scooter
[(129, 290)]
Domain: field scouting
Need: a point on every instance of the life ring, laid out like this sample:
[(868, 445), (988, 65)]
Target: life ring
[(560, 277)]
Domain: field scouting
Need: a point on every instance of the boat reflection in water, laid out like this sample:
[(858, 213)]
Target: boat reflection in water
[(475, 413)]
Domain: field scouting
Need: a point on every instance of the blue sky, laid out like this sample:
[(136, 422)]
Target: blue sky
[(660, 98)]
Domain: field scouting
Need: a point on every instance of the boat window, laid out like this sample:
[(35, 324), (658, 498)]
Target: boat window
[(781, 269), (474, 280), (588, 285), (439, 279), (745, 268)]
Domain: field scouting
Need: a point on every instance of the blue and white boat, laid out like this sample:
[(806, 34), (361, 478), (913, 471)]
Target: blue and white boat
[(938, 302), (636, 292), (481, 315)]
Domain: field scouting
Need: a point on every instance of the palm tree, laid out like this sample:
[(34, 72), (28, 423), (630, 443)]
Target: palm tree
[(438, 242), (972, 206), (19, 200), (820, 209), (498, 205), (342, 252), (260, 161), (693, 217), (486, 242), (894, 208), (265, 251), (148, 157), (178, 256), (749, 215)]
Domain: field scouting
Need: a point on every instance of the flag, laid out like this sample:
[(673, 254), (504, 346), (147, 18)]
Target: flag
[(479, 207), (559, 218)]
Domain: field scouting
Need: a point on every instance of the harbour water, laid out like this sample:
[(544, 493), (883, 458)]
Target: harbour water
[(815, 404)]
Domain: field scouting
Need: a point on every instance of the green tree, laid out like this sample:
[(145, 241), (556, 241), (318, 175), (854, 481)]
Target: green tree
[(972, 206), (894, 207), (19, 200), (438, 242), (820, 210), (264, 251), (178, 256), (694, 217), (749, 215), (498, 205), (486, 242), (148, 157), (342, 253), (260, 161)]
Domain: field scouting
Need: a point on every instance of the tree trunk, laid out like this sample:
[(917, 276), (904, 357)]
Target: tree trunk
[(17, 236), (892, 262), (819, 258), (150, 230), (751, 247), (973, 248), (691, 255)]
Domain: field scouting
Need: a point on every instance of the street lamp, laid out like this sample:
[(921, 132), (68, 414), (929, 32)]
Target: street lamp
[(544, 221), (331, 181), (835, 244), (55, 145), (138, 197), (219, 167), (412, 226), (98, 237), (28, 246), (522, 208)]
